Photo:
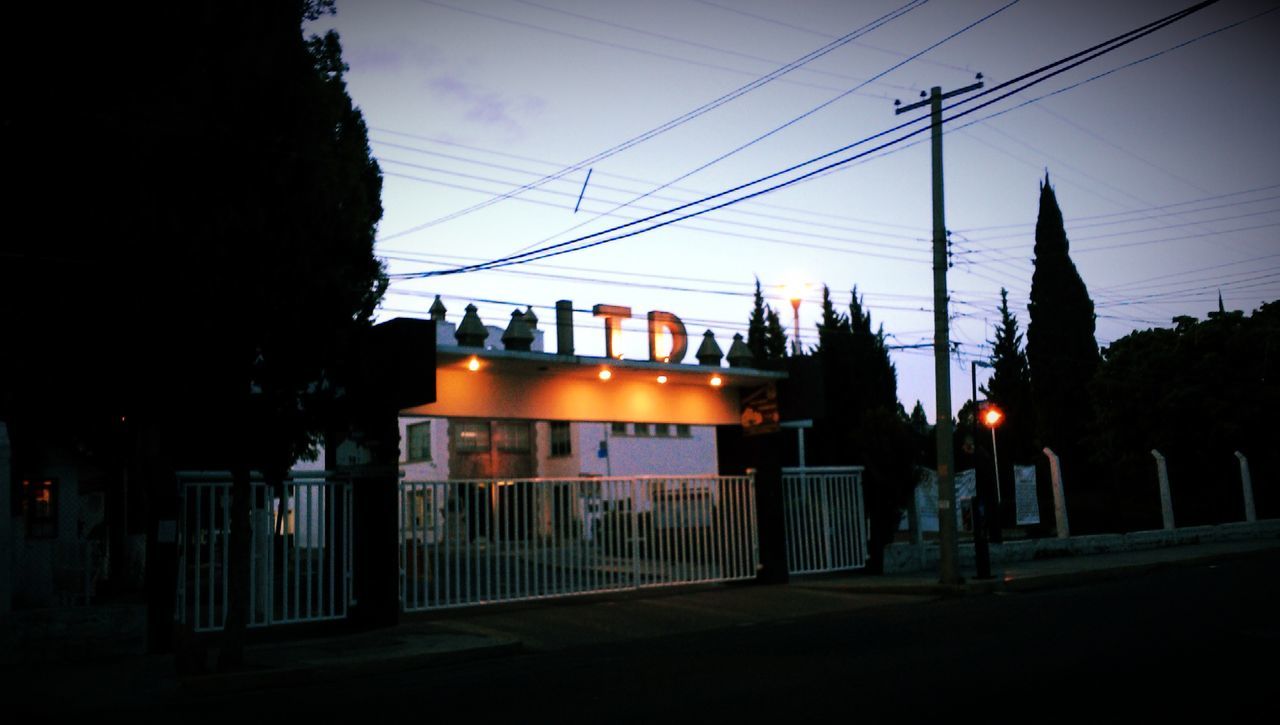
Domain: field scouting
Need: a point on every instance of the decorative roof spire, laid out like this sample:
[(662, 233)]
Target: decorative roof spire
[(518, 336), (438, 310), (709, 352), (739, 354), (471, 331)]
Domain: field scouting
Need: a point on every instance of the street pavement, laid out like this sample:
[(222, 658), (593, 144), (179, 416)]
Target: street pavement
[(467, 635)]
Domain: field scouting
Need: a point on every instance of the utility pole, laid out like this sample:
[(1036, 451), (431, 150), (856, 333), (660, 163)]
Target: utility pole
[(949, 544)]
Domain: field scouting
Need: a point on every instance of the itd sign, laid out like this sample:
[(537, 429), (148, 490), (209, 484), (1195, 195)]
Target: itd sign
[(668, 341)]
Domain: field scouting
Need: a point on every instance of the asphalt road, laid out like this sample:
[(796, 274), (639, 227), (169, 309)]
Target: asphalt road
[(1191, 641)]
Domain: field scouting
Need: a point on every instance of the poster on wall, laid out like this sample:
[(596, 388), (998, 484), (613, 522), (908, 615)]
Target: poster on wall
[(966, 491), (966, 488), (1024, 488)]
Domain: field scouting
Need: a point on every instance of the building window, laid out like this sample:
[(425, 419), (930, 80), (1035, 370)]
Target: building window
[(419, 435), (471, 437), (683, 431), (662, 430), (561, 445), (40, 508), (513, 437), (618, 429), (642, 429)]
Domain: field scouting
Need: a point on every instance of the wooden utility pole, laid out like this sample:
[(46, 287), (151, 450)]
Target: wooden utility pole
[(949, 545)]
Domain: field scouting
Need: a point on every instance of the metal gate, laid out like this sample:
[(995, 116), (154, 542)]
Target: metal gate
[(484, 541), (300, 549), (825, 521)]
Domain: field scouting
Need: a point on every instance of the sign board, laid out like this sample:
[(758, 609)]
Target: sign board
[(966, 484), (966, 488), (1024, 489), (760, 410)]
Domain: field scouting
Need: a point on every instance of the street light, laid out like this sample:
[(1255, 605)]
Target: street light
[(981, 555), (795, 292), (992, 417)]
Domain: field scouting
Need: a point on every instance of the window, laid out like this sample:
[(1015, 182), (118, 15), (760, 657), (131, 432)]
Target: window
[(618, 429), (40, 508), (471, 437), (683, 431), (642, 429), (561, 445), (513, 437), (662, 430), (419, 435)]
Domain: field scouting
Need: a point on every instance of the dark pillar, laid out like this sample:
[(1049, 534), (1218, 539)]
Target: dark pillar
[(375, 531), (762, 452)]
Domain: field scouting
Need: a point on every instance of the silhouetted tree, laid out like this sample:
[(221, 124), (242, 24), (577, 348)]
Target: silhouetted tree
[(1197, 392), (205, 300), (775, 339), (865, 424), (1010, 389), (765, 336), (1061, 349)]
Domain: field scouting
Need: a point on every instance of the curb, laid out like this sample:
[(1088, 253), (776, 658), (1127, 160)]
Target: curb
[(266, 677)]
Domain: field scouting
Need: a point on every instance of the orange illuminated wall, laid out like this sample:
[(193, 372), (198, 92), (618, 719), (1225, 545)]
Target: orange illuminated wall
[(630, 395)]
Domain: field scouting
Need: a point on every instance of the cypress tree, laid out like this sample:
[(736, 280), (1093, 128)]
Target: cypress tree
[(757, 332), (775, 339), (1010, 383), (1061, 350), (1010, 389)]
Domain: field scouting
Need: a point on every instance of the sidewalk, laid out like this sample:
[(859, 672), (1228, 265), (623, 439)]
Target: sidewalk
[(469, 634)]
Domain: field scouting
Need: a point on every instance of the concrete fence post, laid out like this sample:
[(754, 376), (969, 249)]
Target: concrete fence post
[(1250, 514), (1166, 501), (1059, 498)]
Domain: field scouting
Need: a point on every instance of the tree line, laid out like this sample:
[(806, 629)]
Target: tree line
[(1197, 391)]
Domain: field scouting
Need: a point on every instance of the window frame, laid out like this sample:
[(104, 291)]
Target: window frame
[(560, 447), (424, 455), (505, 444), (460, 439), (39, 525)]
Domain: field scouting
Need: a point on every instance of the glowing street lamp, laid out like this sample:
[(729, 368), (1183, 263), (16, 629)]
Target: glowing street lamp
[(795, 293), (992, 417)]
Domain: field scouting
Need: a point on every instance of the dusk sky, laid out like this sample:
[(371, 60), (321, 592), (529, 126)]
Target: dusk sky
[(1166, 171)]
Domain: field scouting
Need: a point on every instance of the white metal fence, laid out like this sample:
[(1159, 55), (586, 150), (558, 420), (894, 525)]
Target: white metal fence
[(484, 541), (300, 551), (825, 521)]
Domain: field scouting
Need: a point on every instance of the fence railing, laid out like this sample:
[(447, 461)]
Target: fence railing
[(825, 519), (485, 541), (299, 553)]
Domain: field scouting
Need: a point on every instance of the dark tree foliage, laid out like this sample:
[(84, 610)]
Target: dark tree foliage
[(1198, 393), (1010, 389), (765, 337), (864, 423), (191, 263), (775, 338), (1061, 349)]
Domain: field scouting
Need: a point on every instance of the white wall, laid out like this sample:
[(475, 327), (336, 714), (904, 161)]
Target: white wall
[(436, 469), (631, 455)]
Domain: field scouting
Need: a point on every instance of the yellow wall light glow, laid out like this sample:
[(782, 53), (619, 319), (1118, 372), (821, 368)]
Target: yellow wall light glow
[(716, 381), (662, 378), (605, 374), (473, 364)]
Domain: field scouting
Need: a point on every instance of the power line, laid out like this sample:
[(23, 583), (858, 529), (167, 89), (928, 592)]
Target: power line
[(1066, 64), (612, 212), (559, 164), (692, 43), (679, 120), (868, 46), (789, 123)]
